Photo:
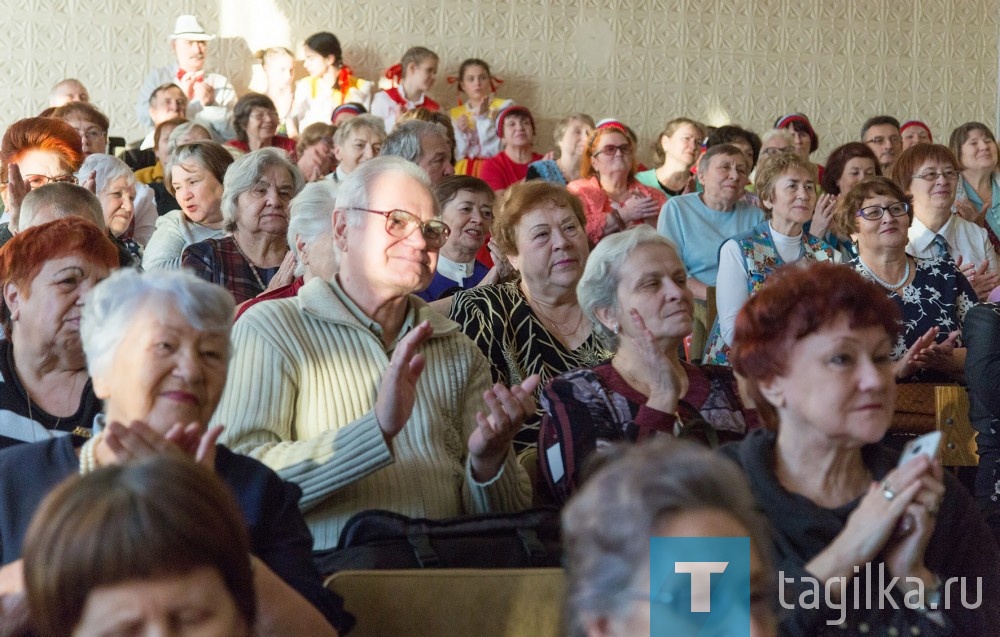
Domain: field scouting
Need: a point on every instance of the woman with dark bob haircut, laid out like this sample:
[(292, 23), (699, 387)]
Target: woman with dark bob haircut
[(255, 120), (813, 345), (847, 165), (931, 294), (164, 530)]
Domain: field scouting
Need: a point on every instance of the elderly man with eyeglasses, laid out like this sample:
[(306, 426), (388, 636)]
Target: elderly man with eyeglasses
[(360, 393)]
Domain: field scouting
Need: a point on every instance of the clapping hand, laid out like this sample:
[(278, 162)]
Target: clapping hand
[(204, 92), (139, 440), (870, 528), (665, 383), (908, 364), (905, 553), (285, 274), (823, 215), (938, 355), (968, 211), (398, 391), (980, 278), (17, 189), (504, 270), (491, 441)]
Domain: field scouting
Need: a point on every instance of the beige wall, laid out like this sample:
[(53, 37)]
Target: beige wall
[(644, 61)]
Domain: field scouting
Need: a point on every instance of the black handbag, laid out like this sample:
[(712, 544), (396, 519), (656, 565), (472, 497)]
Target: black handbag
[(385, 540)]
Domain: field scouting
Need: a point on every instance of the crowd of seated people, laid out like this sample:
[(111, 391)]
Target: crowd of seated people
[(437, 320)]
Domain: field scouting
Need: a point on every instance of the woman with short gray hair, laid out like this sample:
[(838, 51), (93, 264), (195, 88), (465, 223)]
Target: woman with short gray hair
[(115, 187), (667, 488), (194, 178), (633, 291), (356, 141), (253, 257), (310, 238), (157, 348)]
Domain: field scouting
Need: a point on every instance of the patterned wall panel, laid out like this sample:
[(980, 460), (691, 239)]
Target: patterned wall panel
[(644, 61)]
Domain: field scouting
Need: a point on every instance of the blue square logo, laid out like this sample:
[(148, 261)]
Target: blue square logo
[(699, 587)]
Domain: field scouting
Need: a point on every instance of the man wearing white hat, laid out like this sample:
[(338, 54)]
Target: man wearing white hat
[(210, 95)]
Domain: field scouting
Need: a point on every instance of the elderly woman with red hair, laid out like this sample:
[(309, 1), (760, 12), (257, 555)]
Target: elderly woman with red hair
[(46, 272), (612, 197), (814, 347), (34, 152)]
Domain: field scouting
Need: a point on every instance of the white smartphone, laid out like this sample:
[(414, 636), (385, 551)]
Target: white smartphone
[(926, 445)]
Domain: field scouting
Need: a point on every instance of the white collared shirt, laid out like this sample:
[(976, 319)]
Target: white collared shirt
[(453, 270), (964, 239)]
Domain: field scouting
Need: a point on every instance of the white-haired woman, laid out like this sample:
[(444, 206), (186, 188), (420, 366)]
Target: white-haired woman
[(309, 236), (667, 488), (157, 347), (633, 292), (253, 257), (195, 175), (115, 188)]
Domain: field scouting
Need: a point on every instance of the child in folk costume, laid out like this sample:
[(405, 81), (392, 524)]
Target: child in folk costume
[(412, 78), (330, 84), (475, 119)]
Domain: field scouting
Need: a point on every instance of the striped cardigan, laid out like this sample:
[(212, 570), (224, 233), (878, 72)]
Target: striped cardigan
[(300, 398)]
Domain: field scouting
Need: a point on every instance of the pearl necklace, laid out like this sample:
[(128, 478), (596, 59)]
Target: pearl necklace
[(88, 459), (883, 282)]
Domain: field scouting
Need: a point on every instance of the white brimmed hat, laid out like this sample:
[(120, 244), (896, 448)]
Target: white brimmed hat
[(187, 27)]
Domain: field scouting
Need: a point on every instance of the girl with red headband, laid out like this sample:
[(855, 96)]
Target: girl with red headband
[(330, 82), (474, 120), (516, 129), (412, 78)]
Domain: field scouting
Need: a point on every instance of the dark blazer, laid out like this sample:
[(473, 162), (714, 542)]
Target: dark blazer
[(981, 335), (279, 536)]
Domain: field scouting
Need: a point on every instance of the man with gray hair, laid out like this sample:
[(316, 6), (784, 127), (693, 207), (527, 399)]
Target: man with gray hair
[(423, 143), (55, 201), (359, 392), (58, 200)]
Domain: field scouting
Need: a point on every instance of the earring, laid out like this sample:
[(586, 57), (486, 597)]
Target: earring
[(615, 329)]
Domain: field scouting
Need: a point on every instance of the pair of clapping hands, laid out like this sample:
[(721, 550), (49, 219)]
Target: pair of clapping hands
[(490, 442)]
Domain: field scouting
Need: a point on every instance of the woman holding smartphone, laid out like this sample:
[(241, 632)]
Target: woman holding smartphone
[(814, 347)]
